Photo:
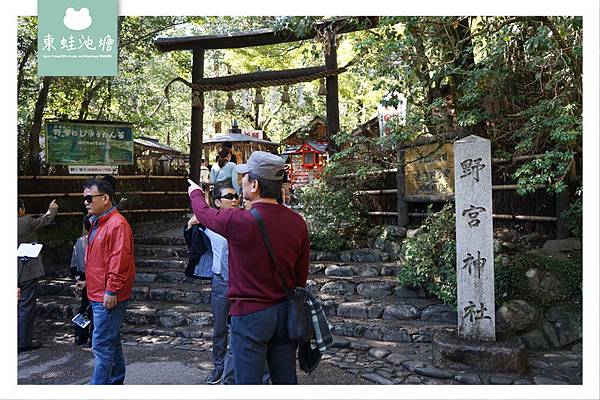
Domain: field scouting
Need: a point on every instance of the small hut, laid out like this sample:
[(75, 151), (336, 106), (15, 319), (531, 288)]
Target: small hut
[(153, 157), (306, 152), (243, 144)]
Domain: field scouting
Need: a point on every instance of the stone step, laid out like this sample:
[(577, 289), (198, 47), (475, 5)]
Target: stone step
[(53, 286), (371, 288), (161, 240), (389, 309), (147, 312), (364, 255), (161, 263), (189, 293), (186, 331), (162, 251), (407, 331), (144, 276), (355, 269)]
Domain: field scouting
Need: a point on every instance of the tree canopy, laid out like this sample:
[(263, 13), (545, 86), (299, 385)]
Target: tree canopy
[(515, 80)]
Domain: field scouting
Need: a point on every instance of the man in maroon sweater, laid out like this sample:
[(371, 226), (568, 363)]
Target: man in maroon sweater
[(258, 307)]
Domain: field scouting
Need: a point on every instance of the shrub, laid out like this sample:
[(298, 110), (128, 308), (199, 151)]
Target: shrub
[(333, 214), (430, 257), (573, 216), (511, 282)]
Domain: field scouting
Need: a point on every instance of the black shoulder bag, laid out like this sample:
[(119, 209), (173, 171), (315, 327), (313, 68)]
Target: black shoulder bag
[(299, 322)]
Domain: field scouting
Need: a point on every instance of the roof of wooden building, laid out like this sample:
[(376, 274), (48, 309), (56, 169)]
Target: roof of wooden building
[(315, 130), (153, 144)]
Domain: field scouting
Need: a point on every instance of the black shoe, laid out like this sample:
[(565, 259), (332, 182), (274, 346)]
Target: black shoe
[(215, 376), (32, 346)]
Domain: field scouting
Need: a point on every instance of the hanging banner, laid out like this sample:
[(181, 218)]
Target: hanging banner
[(387, 114), (72, 143)]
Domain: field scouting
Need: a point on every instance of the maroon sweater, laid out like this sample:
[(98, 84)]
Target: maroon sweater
[(253, 282)]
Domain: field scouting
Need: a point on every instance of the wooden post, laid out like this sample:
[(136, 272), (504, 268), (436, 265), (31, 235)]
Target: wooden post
[(333, 109), (197, 117), (402, 205)]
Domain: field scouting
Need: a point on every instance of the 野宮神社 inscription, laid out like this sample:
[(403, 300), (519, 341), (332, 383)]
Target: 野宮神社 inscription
[(474, 239)]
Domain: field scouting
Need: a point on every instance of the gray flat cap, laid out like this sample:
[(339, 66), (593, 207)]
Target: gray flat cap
[(266, 165)]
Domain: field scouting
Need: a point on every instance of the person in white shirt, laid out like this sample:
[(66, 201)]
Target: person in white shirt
[(219, 304)]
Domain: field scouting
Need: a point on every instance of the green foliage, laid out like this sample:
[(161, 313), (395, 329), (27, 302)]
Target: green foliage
[(333, 214), (430, 257), (511, 281), (573, 216), (515, 80)]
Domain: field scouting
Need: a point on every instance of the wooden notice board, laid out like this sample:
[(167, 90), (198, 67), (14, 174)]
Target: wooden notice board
[(429, 170)]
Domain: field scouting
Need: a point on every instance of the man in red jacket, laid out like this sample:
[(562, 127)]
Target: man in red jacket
[(110, 272), (258, 304)]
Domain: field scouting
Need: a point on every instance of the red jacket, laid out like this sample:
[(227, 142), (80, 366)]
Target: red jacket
[(109, 263)]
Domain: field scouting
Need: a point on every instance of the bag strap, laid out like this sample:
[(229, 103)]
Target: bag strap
[(265, 236)]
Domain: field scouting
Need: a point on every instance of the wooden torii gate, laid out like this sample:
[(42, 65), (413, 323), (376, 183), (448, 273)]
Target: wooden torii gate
[(199, 84)]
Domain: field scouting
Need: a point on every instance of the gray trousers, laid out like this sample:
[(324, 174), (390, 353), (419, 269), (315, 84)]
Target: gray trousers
[(26, 312), (219, 306)]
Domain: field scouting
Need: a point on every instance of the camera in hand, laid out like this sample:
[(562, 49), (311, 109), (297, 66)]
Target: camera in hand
[(81, 320)]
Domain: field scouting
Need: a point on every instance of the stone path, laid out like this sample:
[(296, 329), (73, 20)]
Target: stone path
[(382, 330), (350, 361)]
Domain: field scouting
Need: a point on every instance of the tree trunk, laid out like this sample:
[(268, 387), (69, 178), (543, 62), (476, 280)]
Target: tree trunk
[(38, 117), (89, 95), (22, 63)]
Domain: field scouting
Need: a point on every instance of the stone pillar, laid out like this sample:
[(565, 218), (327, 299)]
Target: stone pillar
[(474, 239)]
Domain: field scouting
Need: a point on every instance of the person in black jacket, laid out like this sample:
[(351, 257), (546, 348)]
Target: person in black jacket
[(200, 252), (82, 335)]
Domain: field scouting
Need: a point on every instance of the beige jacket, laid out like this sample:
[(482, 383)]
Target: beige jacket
[(27, 229)]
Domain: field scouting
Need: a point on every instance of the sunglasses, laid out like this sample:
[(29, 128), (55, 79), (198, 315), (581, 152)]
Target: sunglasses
[(230, 196), (90, 197)]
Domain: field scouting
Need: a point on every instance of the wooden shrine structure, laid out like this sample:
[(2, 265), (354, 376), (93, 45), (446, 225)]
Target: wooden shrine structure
[(199, 44)]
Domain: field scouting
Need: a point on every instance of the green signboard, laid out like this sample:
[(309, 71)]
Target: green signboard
[(71, 143)]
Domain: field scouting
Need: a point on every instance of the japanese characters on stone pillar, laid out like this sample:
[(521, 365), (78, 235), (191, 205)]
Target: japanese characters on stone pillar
[(474, 239)]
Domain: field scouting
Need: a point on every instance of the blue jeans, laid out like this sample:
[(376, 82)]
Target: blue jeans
[(261, 336), (109, 366), (219, 306)]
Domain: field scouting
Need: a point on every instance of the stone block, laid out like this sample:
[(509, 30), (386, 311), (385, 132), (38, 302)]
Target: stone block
[(439, 312), (343, 288), (373, 333), (339, 271), (330, 308), (365, 271), (570, 244), (374, 311), (517, 316), (170, 318), (397, 336), (401, 312), (508, 356), (567, 320), (199, 319), (346, 256), (141, 277), (374, 289), (379, 352), (315, 268), (352, 310), (534, 340)]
